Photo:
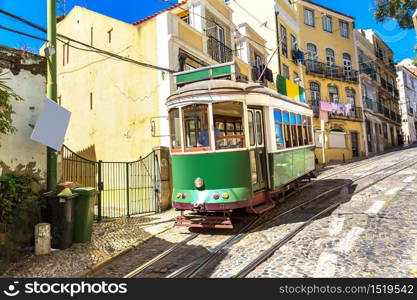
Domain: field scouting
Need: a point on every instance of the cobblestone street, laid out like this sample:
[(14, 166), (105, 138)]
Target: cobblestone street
[(372, 234)]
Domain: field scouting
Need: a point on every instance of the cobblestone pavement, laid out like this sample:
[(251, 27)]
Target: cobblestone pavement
[(372, 235), (108, 240)]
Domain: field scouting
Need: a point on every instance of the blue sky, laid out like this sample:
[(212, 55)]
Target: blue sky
[(401, 41)]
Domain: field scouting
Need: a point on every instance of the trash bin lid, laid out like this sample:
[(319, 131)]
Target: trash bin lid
[(85, 191)]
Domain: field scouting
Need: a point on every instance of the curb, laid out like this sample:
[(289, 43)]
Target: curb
[(102, 264)]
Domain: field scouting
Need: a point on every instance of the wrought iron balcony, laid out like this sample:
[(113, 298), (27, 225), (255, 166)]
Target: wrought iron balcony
[(219, 51), (369, 70), (330, 71)]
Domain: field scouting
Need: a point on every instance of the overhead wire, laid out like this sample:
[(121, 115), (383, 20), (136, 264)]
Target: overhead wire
[(127, 59)]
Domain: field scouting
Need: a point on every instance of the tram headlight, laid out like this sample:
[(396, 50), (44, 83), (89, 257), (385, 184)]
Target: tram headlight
[(199, 183), (178, 195), (225, 196)]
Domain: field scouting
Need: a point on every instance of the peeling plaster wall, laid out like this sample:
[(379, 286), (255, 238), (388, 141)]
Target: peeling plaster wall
[(18, 153)]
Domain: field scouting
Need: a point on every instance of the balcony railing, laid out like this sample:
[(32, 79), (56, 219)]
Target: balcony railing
[(339, 110), (331, 71), (219, 51), (369, 70)]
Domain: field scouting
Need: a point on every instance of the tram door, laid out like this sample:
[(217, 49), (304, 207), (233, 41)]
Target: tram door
[(257, 149)]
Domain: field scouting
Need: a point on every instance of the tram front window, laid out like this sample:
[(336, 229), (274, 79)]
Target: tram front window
[(228, 131), (196, 126), (175, 129)]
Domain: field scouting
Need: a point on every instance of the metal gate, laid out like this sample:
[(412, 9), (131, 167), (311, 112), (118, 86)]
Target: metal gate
[(125, 188)]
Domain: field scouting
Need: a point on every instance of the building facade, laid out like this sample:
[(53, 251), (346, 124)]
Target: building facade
[(331, 80), (25, 74), (407, 85), (121, 105), (382, 117), (277, 23)]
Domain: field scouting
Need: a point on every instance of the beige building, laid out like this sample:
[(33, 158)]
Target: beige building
[(118, 107), (26, 73), (386, 127)]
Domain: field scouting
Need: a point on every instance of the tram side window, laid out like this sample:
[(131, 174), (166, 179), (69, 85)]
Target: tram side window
[(299, 130), (251, 128), (228, 122), (293, 130), (309, 132), (196, 127), (175, 129), (305, 130), (287, 129), (279, 139)]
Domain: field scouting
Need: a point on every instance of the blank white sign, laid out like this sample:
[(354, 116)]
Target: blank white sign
[(52, 125)]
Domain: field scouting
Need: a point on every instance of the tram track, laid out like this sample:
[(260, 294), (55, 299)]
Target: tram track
[(198, 264), (194, 268), (277, 245)]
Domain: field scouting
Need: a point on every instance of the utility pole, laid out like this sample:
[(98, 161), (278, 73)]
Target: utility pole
[(51, 93)]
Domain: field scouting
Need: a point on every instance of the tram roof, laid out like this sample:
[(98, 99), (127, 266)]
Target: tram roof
[(222, 86)]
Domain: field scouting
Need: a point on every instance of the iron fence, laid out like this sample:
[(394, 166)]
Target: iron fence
[(125, 188)]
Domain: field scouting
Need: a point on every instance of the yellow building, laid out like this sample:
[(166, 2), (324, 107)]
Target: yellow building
[(331, 76), (277, 23), (118, 107)]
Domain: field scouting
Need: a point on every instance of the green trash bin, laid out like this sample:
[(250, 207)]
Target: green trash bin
[(61, 211), (84, 214)]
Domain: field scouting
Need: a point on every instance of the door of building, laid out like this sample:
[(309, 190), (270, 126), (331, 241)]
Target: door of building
[(369, 136), (355, 143)]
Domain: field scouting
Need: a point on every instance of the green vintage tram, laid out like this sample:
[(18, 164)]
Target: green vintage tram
[(233, 145)]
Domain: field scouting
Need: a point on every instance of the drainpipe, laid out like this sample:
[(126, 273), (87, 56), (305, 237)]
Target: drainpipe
[(278, 41)]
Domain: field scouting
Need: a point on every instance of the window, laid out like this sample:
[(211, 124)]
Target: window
[(65, 54), (327, 24), (296, 76), (350, 96), (344, 29), (91, 101), (251, 128), (228, 121), (287, 131), (331, 62), (293, 40), (285, 71), (308, 129), (333, 94), (347, 65), (109, 35), (315, 93), (311, 51), (279, 141), (308, 17), (305, 130), (284, 47), (195, 118), (186, 19), (294, 140), (175, 129), (330, 57), (385, 130), (91, 36), (299, 122)]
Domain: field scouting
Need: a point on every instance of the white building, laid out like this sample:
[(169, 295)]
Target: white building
[(407, 84), (27, 78)]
